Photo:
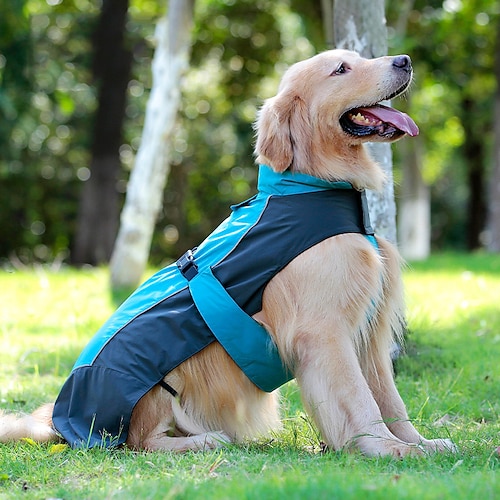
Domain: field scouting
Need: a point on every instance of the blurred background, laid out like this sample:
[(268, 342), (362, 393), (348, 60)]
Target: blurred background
[(75, 76)]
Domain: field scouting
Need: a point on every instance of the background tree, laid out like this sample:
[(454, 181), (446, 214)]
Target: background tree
[(414, 208), (240, 50), (147, 181), (494, 205), (99, 203), (414, 200), (45, 105), (452, 45), (48, 100), (359, 25), (16, 87)]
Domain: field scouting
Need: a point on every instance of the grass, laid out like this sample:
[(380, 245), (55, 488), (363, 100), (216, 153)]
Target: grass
[(450, 380)]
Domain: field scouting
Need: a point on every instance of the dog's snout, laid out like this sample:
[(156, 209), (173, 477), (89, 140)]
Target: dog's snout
[(402, 62)]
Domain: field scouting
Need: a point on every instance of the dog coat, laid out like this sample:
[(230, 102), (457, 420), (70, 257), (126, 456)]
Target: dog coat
[(209, 294)]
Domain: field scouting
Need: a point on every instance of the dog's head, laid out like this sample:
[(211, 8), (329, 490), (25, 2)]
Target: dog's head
[(326, 108)]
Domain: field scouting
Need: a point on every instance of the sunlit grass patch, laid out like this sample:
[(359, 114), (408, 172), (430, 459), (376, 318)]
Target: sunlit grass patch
[(45, 320), (449, 379), (454, 339)]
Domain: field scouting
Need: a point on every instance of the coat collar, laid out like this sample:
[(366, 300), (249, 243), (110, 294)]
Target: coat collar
[(271, 182)]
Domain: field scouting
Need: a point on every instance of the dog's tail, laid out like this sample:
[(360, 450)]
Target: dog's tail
[(37, 426)]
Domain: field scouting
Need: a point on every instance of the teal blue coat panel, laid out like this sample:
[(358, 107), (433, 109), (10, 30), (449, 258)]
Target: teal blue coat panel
[(208, 295)]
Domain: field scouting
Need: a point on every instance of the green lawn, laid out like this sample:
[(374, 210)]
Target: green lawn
[(450, 380)]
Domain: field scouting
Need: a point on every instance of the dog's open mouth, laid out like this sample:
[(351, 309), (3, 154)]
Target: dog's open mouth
[(378, 120)]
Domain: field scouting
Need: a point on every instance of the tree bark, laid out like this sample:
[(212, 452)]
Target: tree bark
[(360, 25), (99, 203), (414, 227), (494, 194), (474, 152), (147, 181), (414, 220)]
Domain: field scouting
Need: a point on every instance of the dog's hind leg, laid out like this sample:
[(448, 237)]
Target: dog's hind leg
[(37, 426), (197, 442), (159, 424), (216, 404)]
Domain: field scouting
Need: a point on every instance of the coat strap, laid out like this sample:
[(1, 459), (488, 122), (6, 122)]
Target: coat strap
[(245, 340)]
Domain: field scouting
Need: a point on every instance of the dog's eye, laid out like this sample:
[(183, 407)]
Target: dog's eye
[(340, 70)]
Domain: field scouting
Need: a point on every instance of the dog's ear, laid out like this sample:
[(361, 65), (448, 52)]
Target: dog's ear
[(283, 132)]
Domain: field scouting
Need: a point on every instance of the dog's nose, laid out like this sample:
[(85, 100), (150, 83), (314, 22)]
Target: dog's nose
[(402, 62)]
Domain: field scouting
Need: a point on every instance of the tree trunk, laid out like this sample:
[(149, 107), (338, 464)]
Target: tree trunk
[(99, 202), (414, 221), (474, 152), (359, 25), (414, 228), (147, 181), (494, 198)]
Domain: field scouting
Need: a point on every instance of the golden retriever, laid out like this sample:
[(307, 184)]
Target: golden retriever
[(333, 312)]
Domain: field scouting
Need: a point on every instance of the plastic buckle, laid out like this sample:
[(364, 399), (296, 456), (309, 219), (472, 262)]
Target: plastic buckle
[(187, 265)]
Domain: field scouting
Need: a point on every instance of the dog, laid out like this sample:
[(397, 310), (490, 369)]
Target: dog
[(330, 311)]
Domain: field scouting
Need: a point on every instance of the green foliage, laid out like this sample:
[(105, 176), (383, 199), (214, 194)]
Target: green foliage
[(239, 49), (48, 98), (449, 381), (45, 144), (452, 46), (239, 52)]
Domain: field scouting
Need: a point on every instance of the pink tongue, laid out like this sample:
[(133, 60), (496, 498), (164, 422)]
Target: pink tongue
[(390, 115)]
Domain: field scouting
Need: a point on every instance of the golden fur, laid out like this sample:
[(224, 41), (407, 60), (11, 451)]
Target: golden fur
[(335, 328)]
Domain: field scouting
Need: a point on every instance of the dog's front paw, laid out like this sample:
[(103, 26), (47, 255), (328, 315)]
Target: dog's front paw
[(210, 440), (439, 446), (373, 446)]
